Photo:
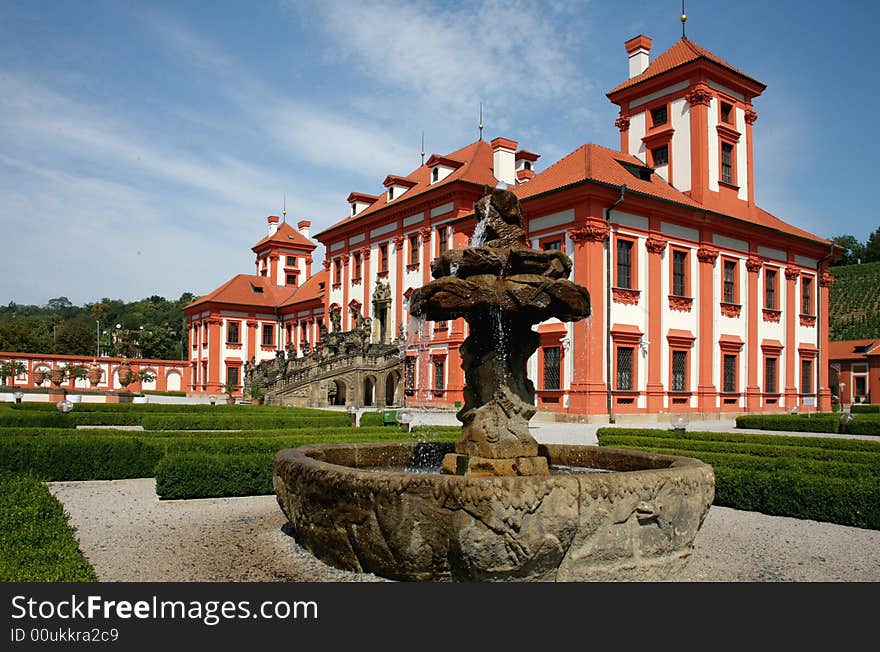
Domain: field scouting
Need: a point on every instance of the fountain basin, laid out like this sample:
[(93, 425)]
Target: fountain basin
[(636, 523)]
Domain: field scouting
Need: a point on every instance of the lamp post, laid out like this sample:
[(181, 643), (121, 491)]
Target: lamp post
[(18, 396), (353, 412)]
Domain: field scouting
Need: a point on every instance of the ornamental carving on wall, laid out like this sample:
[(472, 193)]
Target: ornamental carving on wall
[(365, 253), (700, 95), (754, 265), (625, 296), (656, 245), (826, 280), (326, 263), (808, 320), (682, 304), (707, 254), (622, 123), (398, 241), (751, 116), (771, 314), (731, 309), (590, 232)]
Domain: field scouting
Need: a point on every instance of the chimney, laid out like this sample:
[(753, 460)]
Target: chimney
[(273, 224), (639, 51), (503, 160), (303, 227)]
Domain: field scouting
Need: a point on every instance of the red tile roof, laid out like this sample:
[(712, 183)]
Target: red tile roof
[(683, 52), (313, 289), (246, 290), (606, 166), (477, 168), (285, 235), (847, 349)]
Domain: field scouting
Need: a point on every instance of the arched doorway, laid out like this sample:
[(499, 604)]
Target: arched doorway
[(369, 391), (336, 393), (391, 381)]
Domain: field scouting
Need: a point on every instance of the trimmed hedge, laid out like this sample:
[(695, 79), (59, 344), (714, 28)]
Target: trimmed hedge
[(180, 421), (865, 408), (185, 408), (190, 475), (864, 424), (745, 437), (37, 544), (790, 422)]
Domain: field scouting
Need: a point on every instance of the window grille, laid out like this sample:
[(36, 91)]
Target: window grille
[(807, 296), (441, 238), (232, 376), (551, 367), (770, 289), (439, 374), (624, 264), (625, 368), (357, 266), (659, 116), (383, 258), (660, 156), (679, 261), (413, 249), (409, 373), (730, 373), (770, 375), (727, 163), (268, 334), (679, 371), (729, 281), (553, 245), (232, 332), (806, 376)]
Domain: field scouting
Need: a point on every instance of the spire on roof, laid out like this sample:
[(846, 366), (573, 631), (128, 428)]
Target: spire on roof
[(481, 121), (423, 148), (283, 208), (684, 18)]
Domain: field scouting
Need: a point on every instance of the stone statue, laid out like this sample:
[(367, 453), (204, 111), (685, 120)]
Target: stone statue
[(336, 320), (305, 347)]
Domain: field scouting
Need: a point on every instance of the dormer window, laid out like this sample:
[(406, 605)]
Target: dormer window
[(353, 209), (397, 186), (659, 116), (435, 175), (391, 193), (360, 201), (527, 165), (442, 167)]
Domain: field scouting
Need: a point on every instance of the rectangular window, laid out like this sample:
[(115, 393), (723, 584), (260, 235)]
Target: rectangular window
[(806, 295), (439, 374), (624, 264), (291, 261), (659, 116), (383, 257), (409, 372), (551, 367), (553, 245), (337, 272), (679, 371), (232, 332), (660, 156), (729, 295), (356, 261), (625, 368), (679, 273), (413, 249), (726, 113), (442, 238), (729, 374), (806, 376), (770, 289), (770, 382), (268, 334), (232, 375), (291, 279), (727, 163)]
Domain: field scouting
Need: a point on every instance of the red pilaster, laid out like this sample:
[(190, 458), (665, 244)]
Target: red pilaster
[(656, 245), (825, 283), (792, 318), (699, 98), (365, 274), (214, 383), (753, 392), (750, 117), (398, 276), (706, 391)]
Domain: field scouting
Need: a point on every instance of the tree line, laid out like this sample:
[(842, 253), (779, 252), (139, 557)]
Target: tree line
[(858, 252), (150, 328)]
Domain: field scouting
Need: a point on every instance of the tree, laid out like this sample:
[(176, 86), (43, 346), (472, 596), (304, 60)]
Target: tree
[(855, 250), (73, 337), (872, 247)]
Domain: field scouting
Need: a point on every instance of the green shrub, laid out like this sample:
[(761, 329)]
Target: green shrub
[(37, 544), (865, 408), (78, 457), (745, 437), (191, 475), (823, 422), (864, 424)]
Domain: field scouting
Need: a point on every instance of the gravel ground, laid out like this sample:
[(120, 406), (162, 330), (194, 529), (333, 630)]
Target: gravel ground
[(129, 535)]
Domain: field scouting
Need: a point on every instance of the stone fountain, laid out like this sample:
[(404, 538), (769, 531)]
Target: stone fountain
[(501, 507)]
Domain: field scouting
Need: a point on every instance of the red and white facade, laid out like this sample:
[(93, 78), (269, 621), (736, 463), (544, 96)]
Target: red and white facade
[(702, 301), (856, 365)]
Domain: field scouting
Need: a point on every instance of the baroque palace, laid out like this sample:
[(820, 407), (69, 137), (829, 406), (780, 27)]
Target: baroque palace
[(702, 301)]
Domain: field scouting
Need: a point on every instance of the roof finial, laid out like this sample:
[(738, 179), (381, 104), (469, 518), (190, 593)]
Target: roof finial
[(283, 208), (423, 148), (684, 18), (481, 121)]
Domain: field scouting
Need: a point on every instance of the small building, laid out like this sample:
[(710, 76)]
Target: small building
[(855, 370)]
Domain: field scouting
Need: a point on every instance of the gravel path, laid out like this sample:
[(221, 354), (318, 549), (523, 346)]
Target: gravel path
[(129, 535)]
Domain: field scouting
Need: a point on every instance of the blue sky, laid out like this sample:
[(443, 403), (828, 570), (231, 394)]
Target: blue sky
[(143, 144)]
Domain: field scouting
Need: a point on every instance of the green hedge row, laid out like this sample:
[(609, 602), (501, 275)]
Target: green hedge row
[(790, 422), (106, 455), (169, 421), (865, 408), (864, 424), (186, 408), (340, 433), (192, 475), (746, 437), (37, 544)]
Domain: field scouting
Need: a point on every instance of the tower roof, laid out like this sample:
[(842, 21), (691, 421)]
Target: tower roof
[(286, 236), (682, 53)]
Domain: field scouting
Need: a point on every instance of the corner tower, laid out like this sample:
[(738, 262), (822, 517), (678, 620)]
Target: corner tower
[(689, 115), (284, 256)]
